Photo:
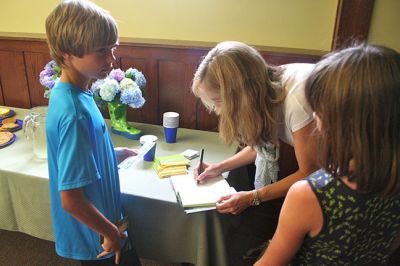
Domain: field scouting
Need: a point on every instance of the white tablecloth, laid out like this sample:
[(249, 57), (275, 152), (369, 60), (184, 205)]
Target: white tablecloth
[(159, 227)]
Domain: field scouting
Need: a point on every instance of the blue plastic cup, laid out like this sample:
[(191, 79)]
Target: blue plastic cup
[(149, 156), (170, 134), (171, 124)]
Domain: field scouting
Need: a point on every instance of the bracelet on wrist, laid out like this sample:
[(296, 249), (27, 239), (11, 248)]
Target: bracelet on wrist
[(256, 200)]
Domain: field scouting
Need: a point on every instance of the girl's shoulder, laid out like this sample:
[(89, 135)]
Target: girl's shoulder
[(319, 179)]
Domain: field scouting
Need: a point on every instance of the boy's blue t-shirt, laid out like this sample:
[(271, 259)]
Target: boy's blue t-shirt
[(80, 155)]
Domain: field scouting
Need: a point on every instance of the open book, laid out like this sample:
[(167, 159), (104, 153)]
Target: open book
[(199, 196)]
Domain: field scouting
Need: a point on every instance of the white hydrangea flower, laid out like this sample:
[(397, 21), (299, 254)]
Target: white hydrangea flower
[(128, 83), (109, 89)]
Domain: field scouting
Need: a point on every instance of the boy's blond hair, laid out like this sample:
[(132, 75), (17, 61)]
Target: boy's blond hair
[(250, 90), (77, 27), (355, 93)]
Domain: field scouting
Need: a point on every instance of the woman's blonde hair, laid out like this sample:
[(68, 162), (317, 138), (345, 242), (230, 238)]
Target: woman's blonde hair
[(356, 94), (250, 92), (77, 27)]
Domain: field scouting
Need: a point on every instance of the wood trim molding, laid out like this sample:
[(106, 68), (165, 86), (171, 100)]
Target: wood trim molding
[(1, 94), (168, 69), (353, 19)]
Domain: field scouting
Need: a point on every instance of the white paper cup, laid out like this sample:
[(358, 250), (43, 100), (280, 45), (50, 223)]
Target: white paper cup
[(171, 120), (148, 138), (149, 156)]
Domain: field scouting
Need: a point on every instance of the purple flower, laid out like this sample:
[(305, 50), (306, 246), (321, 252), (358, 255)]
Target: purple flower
[(117, 74), (47, 81), (51, 65), (47, 72), (49, 76)]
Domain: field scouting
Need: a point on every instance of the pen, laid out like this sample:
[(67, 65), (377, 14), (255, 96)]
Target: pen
[(200, 170)]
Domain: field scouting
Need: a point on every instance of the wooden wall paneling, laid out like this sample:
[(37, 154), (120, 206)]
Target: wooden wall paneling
[(149, 112), (171, 87), (1, 94), (168, 69), (282, 58), (176, 67), (205, 120), (23, 45), (13, 78), (144, 59), (353, 19), (35, 63), (194, 114), (189, 100), (117, 62)]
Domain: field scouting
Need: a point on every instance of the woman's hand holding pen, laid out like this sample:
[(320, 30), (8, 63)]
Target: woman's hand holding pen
[(209, 171), (235, 203)]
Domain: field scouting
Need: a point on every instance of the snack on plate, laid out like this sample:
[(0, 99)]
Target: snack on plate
[(9, 120), (4, 111), (7, 126), (5, 137)]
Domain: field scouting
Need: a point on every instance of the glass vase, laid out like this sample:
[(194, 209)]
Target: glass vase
[(119, 125)]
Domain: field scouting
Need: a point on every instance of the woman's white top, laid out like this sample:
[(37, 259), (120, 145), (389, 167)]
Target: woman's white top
[(296, 114)]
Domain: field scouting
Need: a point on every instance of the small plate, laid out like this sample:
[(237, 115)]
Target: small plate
[(19, 127), (8, 142), (10, 114)]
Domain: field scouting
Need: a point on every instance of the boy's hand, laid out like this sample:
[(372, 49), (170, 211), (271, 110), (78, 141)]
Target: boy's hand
[(112, 244), (123, 152)]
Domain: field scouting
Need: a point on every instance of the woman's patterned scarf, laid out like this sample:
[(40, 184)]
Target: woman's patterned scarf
[(266, 164)]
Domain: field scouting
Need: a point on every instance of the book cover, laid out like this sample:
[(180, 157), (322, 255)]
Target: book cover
[(193, 195)]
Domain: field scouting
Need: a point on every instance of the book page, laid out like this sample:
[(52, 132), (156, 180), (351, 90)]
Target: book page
[(192, 194)]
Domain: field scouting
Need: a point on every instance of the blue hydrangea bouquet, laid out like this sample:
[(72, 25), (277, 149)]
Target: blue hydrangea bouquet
[(118, 91)]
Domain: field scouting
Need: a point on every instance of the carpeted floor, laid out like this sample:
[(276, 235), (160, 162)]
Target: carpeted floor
[(18, 249)]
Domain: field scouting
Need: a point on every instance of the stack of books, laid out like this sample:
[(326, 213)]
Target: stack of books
[(171, 165)]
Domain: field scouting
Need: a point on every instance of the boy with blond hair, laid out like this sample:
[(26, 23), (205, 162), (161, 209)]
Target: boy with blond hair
[(84, 182)]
